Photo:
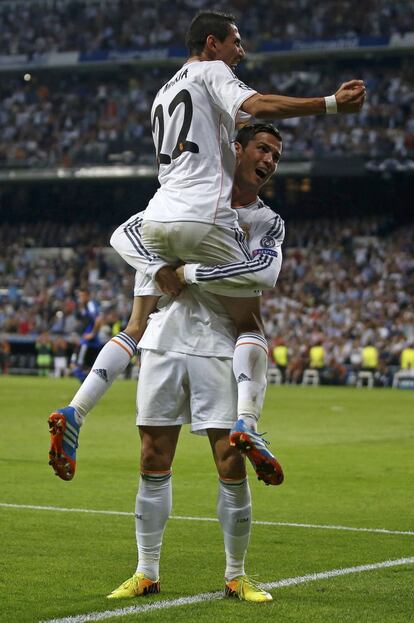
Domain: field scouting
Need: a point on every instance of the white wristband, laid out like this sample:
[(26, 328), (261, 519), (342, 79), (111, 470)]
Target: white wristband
[(331, 105), (189, 273)]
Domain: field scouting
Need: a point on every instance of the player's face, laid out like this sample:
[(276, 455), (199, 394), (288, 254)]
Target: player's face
[(230, 51), (258, 160)]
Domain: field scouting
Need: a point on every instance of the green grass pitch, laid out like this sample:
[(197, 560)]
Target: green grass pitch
[(348, 457)]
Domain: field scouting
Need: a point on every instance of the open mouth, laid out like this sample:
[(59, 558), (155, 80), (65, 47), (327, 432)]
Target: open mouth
[(262, 174)]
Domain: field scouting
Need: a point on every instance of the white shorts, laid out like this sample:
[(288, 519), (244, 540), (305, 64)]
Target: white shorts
[(193, 242), (201, 243), (175, 388), (126, 240)]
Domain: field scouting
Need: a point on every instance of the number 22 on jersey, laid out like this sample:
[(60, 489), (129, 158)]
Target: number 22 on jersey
[(166, 117)]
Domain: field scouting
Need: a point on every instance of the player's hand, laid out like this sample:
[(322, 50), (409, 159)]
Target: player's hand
[(180, 274), (88, 336), (168, 282), (350, 96)]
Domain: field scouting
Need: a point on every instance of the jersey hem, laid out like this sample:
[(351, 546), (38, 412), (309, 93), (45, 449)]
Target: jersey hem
[(189, 351)]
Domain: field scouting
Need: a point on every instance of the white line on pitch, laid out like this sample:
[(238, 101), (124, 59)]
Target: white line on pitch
[(189, 518), (306, 525), (194, 599)]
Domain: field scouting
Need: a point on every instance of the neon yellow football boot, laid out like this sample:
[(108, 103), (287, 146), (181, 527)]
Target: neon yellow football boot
[(247, 590), (134, 587)]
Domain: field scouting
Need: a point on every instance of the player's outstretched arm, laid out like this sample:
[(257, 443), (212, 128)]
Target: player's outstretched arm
[(259, 273), (349, 98)]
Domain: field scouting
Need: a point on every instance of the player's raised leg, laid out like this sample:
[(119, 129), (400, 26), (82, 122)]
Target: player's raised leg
[(65, 423), (250, 369)]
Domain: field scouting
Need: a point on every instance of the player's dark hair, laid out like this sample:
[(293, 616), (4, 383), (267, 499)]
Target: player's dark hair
[(204, 24), (247, 132)]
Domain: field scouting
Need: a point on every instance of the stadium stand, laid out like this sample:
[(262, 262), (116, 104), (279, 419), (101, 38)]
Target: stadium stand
[(39, 26), (343, 285), (82, 119), (77, 82)]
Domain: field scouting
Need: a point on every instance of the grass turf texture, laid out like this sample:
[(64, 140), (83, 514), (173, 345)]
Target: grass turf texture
[(348, 457)]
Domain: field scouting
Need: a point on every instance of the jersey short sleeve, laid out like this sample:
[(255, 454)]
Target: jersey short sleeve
[(242, 118), (266, 234), (225, 89)]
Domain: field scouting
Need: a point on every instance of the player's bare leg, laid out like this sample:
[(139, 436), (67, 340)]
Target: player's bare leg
[(153, 507), (234, 511)]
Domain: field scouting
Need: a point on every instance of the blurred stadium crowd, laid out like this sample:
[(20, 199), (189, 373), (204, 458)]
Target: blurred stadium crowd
[(343, 286), (87, 25), (72, 118), (92, 119)]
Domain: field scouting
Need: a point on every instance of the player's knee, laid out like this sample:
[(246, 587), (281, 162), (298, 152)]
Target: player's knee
[(249, 325), (154, 459), (134, 330), (232, 467)]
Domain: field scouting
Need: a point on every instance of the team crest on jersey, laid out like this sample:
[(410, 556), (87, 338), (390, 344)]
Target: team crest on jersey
[(267, 242), (246, 230)]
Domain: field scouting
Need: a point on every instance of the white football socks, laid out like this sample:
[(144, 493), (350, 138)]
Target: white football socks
[(250, 370), (152, 509), (111, 361), (234, 510)]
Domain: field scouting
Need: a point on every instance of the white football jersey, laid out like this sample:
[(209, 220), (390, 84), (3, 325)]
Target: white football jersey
[(196, 323), (193, 121), (265, 232)]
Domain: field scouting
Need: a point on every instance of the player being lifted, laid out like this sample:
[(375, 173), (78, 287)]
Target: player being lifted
[(259, 149), (190, 218)]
